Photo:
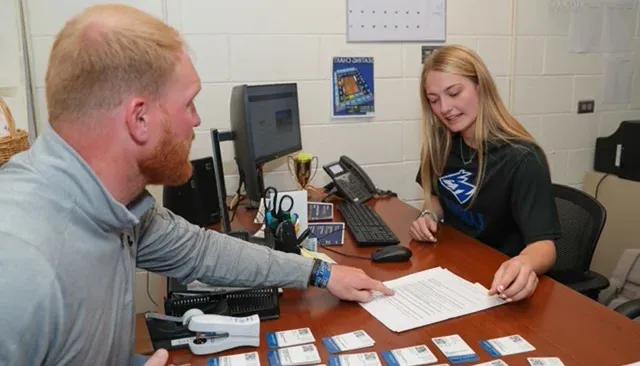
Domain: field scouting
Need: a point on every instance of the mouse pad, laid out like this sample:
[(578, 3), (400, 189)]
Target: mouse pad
[(328, 233)]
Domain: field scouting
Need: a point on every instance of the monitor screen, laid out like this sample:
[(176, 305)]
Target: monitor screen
[(274, 119)]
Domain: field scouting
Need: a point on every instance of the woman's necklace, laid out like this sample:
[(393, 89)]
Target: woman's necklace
[(465, 162)]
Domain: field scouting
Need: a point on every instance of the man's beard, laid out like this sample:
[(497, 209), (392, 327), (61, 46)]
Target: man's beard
[(169, 165)]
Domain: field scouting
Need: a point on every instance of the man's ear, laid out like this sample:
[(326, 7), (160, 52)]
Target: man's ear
[(137, 120)]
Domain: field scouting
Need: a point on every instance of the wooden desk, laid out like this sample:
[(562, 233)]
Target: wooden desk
[(556, 320)]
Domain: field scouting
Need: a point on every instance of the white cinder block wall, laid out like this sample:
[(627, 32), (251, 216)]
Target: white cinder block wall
[(258, 41), (12, 81)]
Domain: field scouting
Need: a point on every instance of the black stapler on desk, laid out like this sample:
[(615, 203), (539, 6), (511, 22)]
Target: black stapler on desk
[(168, 333)]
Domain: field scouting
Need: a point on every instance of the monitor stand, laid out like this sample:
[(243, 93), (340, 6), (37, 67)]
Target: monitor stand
[(218, 172), (250, 203), (222, 190)]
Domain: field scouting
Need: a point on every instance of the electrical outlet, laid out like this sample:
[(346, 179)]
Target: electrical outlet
[(427, 50), (586, 106)]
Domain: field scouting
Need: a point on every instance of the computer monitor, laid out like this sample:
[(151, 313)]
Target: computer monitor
[(265, 121)]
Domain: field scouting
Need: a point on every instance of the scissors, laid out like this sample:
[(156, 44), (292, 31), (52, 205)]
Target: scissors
[(280, 213)]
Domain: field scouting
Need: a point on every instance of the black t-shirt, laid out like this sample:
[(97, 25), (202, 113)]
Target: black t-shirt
[(514, 205)]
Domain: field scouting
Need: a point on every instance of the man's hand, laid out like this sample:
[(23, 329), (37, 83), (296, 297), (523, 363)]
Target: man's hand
[(159, 358), (424, 229), (515, 280), (348, 283)]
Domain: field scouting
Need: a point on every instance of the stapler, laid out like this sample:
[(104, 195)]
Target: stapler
[(216, 333)]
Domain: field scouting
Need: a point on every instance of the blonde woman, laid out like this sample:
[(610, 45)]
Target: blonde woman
[(483, 173)]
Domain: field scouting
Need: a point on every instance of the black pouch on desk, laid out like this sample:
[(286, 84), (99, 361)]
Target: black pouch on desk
[(284, 238), (171, 335)]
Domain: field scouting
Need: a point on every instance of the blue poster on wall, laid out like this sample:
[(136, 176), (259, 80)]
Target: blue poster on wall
[(352, 85)]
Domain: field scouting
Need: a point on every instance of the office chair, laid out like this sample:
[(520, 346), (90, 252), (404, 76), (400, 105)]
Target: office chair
[(630, 309), (623, 293), (582, 219)]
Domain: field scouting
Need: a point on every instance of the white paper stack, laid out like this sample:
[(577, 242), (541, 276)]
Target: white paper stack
[(429, 297)]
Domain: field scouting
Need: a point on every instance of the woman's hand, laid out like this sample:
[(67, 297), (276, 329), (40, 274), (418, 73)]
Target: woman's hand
[(515, 279), (424, 229)]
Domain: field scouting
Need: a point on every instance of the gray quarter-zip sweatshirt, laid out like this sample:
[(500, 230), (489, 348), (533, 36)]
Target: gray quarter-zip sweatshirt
[(68, 254)]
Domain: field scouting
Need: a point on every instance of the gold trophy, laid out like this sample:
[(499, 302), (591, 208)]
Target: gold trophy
[(301, 170)]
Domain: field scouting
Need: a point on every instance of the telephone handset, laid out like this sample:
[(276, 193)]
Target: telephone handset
[(350, 180)]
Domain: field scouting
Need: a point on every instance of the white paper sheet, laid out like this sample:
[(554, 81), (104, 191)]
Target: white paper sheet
[(259, 219), (585, 28), (617, 74), (617, 26), (429, 297)]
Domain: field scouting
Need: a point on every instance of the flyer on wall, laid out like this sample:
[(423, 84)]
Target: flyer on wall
[(352, 87)]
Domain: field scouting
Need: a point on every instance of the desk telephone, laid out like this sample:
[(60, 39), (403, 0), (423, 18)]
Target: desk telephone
[(350, 181)]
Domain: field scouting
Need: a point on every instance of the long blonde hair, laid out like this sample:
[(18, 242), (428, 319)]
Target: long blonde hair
[(104, 54), (493, 123)]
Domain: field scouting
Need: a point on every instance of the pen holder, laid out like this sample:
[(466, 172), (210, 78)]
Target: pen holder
[(284, 237)]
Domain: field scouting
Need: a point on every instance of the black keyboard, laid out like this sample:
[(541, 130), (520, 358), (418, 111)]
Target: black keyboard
[(366, 226)]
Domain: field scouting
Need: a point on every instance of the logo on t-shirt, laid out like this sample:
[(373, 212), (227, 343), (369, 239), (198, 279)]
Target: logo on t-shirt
[(459, 185)]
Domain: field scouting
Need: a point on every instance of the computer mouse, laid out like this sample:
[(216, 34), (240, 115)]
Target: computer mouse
[(392, 253)]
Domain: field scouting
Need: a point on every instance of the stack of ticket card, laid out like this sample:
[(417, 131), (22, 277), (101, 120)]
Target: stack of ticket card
[(409, 356), (455, 349), (358, 359), (318, 211), (243, 359), (348, 341), (550, 361), (305, 354), (505, 346), (288, 338)]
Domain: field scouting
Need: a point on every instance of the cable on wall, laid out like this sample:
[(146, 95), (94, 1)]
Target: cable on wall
[(512, 55), (28, 70)]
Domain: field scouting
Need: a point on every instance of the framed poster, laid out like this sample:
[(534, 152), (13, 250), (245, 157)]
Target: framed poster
[(352, 87)]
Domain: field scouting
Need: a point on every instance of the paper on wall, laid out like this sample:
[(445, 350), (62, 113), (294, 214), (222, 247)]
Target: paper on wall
[(617, 26), (617, 74), (585, 28)]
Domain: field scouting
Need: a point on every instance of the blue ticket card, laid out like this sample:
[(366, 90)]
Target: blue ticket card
[(310, 244), (455, 349), (505, 346), (319, 211), (409, 356), (348, 341), (243, 359), (331, 233), (305, 354), (357, 359), (288, 338)]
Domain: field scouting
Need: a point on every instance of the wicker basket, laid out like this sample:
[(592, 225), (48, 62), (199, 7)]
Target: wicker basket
[(18, 139)]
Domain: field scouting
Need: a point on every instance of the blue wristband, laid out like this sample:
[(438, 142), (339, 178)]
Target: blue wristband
[(321, 278)]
